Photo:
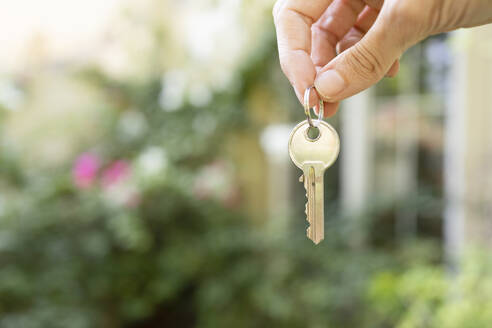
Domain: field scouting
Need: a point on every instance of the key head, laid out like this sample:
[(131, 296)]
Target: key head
[(325, 148)]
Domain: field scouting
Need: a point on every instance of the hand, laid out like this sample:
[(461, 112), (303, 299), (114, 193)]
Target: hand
[(369, 36)]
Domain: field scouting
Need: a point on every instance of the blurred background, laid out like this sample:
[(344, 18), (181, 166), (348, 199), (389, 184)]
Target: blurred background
[(145, 181)]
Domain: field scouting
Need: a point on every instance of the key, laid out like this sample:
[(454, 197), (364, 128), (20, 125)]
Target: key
[(313, 155)]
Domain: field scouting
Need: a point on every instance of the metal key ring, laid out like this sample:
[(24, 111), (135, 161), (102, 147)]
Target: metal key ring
[(307, 108)]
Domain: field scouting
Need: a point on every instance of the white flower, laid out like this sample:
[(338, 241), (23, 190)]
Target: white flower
[(173, 90), (123, 193), (273, 140), (216, 181), (10, 96), (152, 162), (200, 94), (132, 124)]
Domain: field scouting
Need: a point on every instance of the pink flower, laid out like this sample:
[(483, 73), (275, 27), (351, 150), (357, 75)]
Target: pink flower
[(84, 171), (114, 173)]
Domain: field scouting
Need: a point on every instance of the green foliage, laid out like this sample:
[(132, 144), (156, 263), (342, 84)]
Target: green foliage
[(71, 257), (428, 296)]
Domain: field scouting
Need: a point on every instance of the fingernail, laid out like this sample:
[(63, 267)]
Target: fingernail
[(329, 84)]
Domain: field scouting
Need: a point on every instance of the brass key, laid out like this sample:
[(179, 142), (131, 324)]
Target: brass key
[(314, 155)]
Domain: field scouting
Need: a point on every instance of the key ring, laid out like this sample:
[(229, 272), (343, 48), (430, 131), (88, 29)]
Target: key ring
[(307, 109)]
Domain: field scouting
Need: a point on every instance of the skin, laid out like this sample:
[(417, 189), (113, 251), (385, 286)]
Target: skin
[(369, 37)]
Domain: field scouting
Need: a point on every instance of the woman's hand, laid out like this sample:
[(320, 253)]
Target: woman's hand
[(369, 36)]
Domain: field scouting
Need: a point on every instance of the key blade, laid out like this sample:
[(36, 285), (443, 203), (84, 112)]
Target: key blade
[(319, 215), (313, 182)]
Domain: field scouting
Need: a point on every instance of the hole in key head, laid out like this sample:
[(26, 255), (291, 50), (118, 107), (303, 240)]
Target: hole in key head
[(312, 133)]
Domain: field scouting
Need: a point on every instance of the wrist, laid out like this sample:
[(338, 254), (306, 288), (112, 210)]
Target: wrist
[(457, 14)]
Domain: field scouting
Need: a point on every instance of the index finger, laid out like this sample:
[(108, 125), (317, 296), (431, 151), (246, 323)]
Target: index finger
[(293, 22)]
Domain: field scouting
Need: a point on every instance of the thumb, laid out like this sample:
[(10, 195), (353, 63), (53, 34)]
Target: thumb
[(362, 65)]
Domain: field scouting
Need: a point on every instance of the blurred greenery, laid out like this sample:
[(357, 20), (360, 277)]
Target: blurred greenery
[(141, 223)]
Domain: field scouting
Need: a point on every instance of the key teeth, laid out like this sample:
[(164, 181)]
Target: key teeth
[(309, 229)]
